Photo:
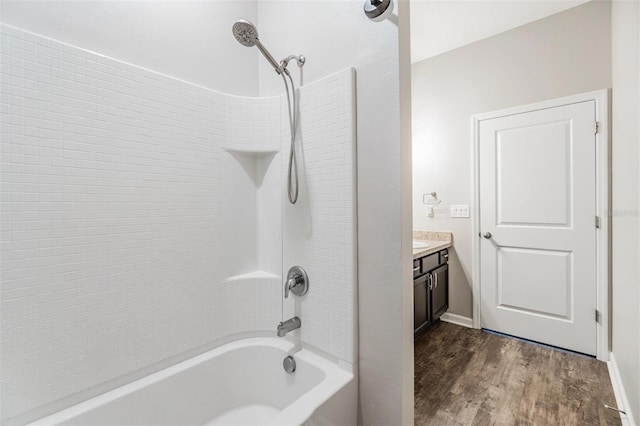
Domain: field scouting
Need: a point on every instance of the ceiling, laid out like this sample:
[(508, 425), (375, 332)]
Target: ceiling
[(438, 26)]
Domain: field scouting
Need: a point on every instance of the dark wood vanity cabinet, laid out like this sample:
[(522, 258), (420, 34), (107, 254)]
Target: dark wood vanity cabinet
[(440, 291), (421, 311), (430, 290)]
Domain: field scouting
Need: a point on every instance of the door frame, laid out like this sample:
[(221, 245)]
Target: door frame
[(603, 158)]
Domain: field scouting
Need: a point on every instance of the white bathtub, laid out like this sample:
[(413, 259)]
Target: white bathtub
[(240, 383)]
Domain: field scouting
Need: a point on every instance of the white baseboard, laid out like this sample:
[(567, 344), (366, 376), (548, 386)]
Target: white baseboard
[(618, 390), (457, 319)]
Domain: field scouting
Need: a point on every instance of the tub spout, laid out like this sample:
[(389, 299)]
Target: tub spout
[(288, 325)]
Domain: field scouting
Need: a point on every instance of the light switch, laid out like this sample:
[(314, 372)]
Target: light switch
[(460, 210)]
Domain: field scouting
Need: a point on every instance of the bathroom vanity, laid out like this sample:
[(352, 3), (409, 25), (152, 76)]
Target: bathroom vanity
[(430, 282)]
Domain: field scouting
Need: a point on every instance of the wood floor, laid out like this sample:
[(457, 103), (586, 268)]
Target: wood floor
[(469, 377)]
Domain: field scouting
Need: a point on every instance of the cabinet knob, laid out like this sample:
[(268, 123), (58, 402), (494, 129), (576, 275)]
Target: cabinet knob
[(487, 235)]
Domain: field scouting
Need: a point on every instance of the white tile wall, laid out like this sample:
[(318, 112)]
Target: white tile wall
[(319, 230), (111, 191), (253, 302), (115, 184)]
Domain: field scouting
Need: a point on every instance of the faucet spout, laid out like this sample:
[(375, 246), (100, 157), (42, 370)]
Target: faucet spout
[(288, 325)]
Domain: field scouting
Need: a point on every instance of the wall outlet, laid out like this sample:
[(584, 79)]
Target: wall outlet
[(460, 210)]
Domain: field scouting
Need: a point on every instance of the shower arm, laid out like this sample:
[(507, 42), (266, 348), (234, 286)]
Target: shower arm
[(300, 60), (282, 67)]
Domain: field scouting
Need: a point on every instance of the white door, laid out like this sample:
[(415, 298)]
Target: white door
[(537, 220)]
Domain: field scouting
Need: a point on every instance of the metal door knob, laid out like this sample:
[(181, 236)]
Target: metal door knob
[(487, 235)]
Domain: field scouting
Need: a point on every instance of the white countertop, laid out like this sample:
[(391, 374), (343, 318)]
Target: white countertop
[(437, 240), (434, 246)]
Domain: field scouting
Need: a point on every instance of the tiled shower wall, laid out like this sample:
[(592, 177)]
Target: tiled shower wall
[(115, 185), (319, 230), (112, 185)]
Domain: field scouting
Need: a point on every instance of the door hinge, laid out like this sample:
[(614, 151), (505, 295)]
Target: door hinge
[(597, 315), (596, 127), (597, 222)]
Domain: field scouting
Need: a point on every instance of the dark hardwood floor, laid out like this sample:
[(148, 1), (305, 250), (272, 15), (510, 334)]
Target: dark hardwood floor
[(469, 377)]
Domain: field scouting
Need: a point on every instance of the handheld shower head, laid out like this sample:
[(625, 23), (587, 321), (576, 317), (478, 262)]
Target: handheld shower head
[(247, 35)]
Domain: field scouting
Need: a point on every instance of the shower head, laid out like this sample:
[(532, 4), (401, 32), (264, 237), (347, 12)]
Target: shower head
[(247, 35)]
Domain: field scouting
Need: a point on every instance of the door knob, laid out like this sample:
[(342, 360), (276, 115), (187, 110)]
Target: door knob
[(487, 235)]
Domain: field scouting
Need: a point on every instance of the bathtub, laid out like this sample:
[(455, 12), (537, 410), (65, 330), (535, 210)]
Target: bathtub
[(240, 383)]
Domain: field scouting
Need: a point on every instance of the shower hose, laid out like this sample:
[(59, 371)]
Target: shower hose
[(292, 174)]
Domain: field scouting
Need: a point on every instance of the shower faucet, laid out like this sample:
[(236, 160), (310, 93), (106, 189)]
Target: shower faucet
[(297, 282), (288, 325)]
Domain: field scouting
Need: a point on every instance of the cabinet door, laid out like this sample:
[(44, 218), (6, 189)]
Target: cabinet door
[(440, 292), (421, 312)]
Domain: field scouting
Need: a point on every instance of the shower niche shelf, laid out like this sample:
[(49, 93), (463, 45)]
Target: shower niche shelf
[(250, 208), (255, 275), (251, 151), (254, 161)]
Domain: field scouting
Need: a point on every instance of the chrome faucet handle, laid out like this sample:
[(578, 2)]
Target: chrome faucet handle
[(291, 283), (297, 282)]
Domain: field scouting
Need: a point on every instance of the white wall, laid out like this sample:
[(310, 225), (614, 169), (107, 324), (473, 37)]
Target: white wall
[(437, 25), (334, 35), (190, 40), (626, 197), (546, 59), (408, 373)]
